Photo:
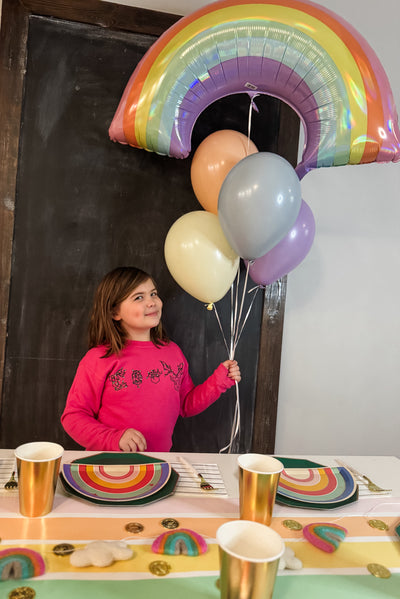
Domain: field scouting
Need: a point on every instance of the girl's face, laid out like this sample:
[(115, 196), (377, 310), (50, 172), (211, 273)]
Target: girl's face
[(140, 311)]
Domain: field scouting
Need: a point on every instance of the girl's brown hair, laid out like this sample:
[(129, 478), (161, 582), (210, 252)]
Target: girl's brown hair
[(114, 288)]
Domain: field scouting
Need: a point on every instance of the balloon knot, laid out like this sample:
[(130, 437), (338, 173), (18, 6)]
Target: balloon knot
[(252, 102), (210, 306)]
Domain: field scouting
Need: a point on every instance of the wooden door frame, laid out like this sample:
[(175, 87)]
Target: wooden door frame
[(13, 55)]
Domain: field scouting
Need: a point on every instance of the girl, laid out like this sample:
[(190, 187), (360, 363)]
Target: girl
[(134, 382)]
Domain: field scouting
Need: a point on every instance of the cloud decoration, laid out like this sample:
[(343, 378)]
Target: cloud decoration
[(180, 542), (19, 562), (295, 50), (289, 561), (100, 554)]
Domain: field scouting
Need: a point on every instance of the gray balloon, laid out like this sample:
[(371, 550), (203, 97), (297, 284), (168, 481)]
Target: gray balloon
[(258, 203)]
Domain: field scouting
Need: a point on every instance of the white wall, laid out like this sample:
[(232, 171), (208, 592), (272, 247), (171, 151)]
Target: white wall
[(340, 382), (340, 373)]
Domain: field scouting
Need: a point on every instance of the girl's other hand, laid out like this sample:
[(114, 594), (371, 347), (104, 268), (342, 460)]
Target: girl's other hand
[(233, 370), (132, 441)]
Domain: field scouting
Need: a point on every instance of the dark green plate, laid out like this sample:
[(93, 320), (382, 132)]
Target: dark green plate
[(300, 463), (124, 458), (397, 529)]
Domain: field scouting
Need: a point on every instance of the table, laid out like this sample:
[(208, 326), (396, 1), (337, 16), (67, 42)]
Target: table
[(341, 574)]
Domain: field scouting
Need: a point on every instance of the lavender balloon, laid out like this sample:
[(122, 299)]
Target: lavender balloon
[(288, 253)]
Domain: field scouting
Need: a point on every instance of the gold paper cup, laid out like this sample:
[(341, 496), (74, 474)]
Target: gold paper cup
[(249, 555), (258, 482), (38, 464)]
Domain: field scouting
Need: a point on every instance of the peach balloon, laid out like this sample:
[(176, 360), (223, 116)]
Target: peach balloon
[(214, 158)]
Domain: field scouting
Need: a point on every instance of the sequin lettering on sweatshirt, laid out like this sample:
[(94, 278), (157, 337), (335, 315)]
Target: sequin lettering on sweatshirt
[(154, 375), (137, 378), (175, 377), (117, 379)]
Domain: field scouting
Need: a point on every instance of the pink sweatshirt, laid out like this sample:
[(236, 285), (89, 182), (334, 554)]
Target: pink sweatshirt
[(144, 387)]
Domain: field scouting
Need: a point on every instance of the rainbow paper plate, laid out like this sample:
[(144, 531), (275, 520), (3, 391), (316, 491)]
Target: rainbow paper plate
[(314, 486), (124, 479)]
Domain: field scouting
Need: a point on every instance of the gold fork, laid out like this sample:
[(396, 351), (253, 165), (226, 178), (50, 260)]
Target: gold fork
[(12, 483), (374, 488), (203, 483)]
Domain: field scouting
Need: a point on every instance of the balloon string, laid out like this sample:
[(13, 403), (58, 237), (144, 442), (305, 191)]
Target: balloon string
[(248, 313), (236, 423), (234, 312), (241, 306), (237, 328), (252, 105), (236, 417), (256, 287), (231, 353), (236, 332), (221, 329)]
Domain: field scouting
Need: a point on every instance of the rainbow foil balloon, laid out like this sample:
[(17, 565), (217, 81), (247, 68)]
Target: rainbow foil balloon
[(294, 50)]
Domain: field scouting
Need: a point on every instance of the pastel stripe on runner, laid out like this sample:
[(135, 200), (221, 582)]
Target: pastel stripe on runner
[(114, 528), (350, 556), (290, 587)]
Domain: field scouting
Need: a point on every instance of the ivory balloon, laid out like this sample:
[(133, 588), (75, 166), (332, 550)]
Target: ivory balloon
[(214, 158), (199, 257)]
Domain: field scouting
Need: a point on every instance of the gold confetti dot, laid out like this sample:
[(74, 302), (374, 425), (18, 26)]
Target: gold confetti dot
[(379, 571), (379, 524), (159, 568), (170, 523), (63, 549), (22, 593), (292, 525), (134, 527)]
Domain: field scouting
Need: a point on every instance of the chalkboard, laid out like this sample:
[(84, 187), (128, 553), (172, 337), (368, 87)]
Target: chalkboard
[(85, 205)]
